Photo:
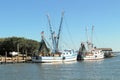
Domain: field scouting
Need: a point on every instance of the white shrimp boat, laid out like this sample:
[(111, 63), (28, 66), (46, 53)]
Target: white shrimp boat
[(88, 52), (91, 54), (65, 56), (53, 54)]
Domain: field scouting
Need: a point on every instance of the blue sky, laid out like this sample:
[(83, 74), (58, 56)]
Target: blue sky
[(27, 18)]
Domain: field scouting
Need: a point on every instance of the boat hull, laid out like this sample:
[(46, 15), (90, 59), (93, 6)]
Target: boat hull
[(94, 56), (41, 59)]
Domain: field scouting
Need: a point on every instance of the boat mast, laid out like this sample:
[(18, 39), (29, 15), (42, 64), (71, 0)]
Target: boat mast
[(87, 34), (92, 36), (59, 31), (87, 39), (52, 33)]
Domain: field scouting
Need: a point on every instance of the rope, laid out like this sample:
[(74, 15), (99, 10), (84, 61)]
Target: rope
[(69, 33)]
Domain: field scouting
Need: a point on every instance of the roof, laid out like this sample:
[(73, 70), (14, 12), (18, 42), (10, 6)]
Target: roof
[(105, 49)]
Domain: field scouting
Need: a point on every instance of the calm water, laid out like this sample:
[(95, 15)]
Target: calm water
[(106, 69)]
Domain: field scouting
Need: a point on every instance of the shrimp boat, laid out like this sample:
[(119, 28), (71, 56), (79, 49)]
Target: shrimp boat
[(46, 54), (88, 52), (91, 54)]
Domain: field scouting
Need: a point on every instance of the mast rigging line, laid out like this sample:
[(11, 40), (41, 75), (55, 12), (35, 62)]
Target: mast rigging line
[(43, 38), (69, 33)]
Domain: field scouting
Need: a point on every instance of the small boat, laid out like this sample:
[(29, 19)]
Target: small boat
[(88, 52), (50, 53)]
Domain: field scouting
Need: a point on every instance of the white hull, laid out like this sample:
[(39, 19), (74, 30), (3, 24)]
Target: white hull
[(92, 57), (42, 59), (66, 56)]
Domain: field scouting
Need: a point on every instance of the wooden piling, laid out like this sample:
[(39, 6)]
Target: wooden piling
[(5, 56)]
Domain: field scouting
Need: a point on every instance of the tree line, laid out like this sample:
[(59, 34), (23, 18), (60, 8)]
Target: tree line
[(18, 44)]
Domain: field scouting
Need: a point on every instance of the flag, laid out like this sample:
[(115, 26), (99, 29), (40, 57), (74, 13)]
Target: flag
[(42, 32)]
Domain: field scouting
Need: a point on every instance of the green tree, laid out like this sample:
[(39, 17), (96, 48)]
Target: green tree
[(12, 43)]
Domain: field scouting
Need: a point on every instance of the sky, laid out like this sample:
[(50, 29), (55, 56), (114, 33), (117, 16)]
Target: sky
[(27, 18)]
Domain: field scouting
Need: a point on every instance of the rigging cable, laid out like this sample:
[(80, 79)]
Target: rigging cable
[(69, 33)]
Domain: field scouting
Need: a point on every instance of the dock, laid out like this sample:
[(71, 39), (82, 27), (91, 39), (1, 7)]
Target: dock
[(5, 60)]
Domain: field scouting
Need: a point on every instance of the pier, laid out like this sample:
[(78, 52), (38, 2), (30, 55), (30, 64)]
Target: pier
[(15, 59)]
